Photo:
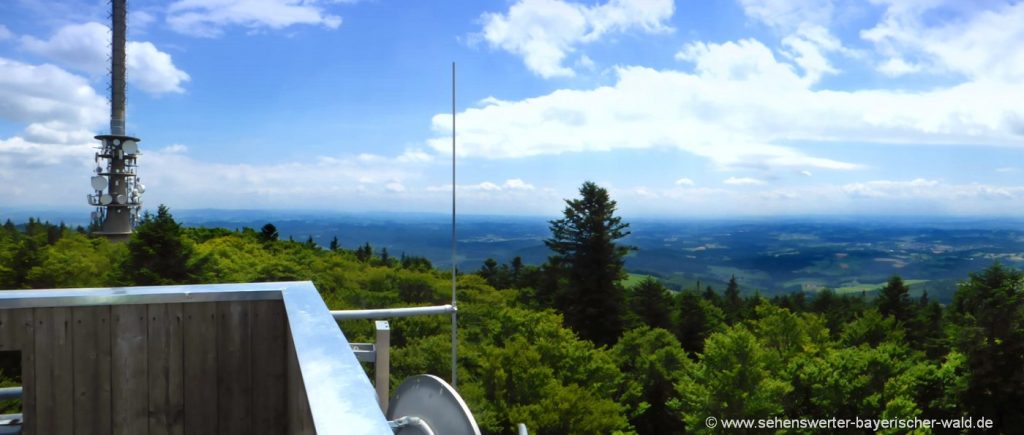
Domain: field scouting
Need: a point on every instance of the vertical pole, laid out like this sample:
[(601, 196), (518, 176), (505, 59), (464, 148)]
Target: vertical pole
[(455, 352), (382, 363), (119, 30)]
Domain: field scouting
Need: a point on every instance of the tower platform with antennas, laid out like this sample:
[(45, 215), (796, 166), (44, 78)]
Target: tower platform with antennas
[(118, 189)]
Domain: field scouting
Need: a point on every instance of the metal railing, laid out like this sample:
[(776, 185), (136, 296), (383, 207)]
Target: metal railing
[(379, 352)]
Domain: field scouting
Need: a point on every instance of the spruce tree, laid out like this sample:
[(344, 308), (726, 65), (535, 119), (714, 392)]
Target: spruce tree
[(591, 263)]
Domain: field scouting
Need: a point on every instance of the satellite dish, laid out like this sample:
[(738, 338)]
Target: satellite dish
[(99, 182), (429, 400), (130, 147), (105, 199), (120, 199), (117, 141), (142, 188)]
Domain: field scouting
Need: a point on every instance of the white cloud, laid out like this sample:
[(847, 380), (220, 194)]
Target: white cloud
[(174, 149), (138, 21), (395, 187), (152, 70), (49, 100), (85, 47), (684, 182), (517, 184), (208, 18), (896, 66), (788, 15), (5, 33), (742, 181), (742, 108), (982, 43), (544, 32), (806, 173), (886, 188)]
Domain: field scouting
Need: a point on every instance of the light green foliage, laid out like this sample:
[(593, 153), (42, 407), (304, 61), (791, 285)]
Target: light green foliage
[(733, 380), (77, 261)]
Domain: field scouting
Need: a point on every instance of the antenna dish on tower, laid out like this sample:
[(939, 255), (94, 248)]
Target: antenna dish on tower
[(428, 400), (99, 182), (121, 199), (105, 199), (130, 147)]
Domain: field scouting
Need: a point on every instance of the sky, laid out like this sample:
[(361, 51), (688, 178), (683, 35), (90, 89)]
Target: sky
[(686, 108)]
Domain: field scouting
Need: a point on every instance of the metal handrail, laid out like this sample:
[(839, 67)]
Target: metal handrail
[(387, 313)]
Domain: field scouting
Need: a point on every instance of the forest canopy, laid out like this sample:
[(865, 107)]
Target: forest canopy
[(568, 348)]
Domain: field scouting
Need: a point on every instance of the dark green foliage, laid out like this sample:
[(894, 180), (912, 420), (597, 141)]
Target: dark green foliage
[(586, 254), (269, 233), (894, 300), (364, 253), (158, 254), (653, 363), (696, 319), (732, 303), (650, 304), (334, 244), (988, 310)]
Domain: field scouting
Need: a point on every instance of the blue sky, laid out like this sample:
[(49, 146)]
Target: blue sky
[(685, 108)]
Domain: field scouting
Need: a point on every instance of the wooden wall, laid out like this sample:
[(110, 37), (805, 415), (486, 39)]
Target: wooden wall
[(184, 368)]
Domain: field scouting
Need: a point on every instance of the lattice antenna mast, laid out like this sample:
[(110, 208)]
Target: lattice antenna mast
[(118, 190)]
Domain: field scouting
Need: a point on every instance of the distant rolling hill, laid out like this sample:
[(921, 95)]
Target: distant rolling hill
[(769, 256)]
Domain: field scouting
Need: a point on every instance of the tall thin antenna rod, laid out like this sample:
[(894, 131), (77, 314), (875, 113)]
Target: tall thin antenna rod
[(455, 346)]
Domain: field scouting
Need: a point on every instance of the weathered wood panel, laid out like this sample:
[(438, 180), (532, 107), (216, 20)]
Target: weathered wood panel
[(17, 333), (91, 356), (234, 369), (175, 370), (200, 368), (45, 405), (129, 370), (166, 389), (187, 368), (269, 332)]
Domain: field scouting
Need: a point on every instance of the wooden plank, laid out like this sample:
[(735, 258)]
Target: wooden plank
[(159, 369), (26, 319), (175, 370), (234, 367), (16, 334), (63, 377), (300, 419), (45, 412), (268, 368), (200, 340), (91, 356), (129, 370)]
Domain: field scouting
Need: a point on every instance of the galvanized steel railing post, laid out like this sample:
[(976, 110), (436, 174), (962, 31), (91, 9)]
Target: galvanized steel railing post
[(382, 364)]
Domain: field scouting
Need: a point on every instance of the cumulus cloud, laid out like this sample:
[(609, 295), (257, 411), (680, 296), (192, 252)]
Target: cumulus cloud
[(737, 108), (544, 32), (789, 14), (208, 18), (84, 47), (59, 110), (684, 182), (742, 181), (517, 184), (5, 33), (982, 43)]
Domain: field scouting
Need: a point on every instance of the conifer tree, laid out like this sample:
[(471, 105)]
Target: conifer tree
[(591, 262)]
